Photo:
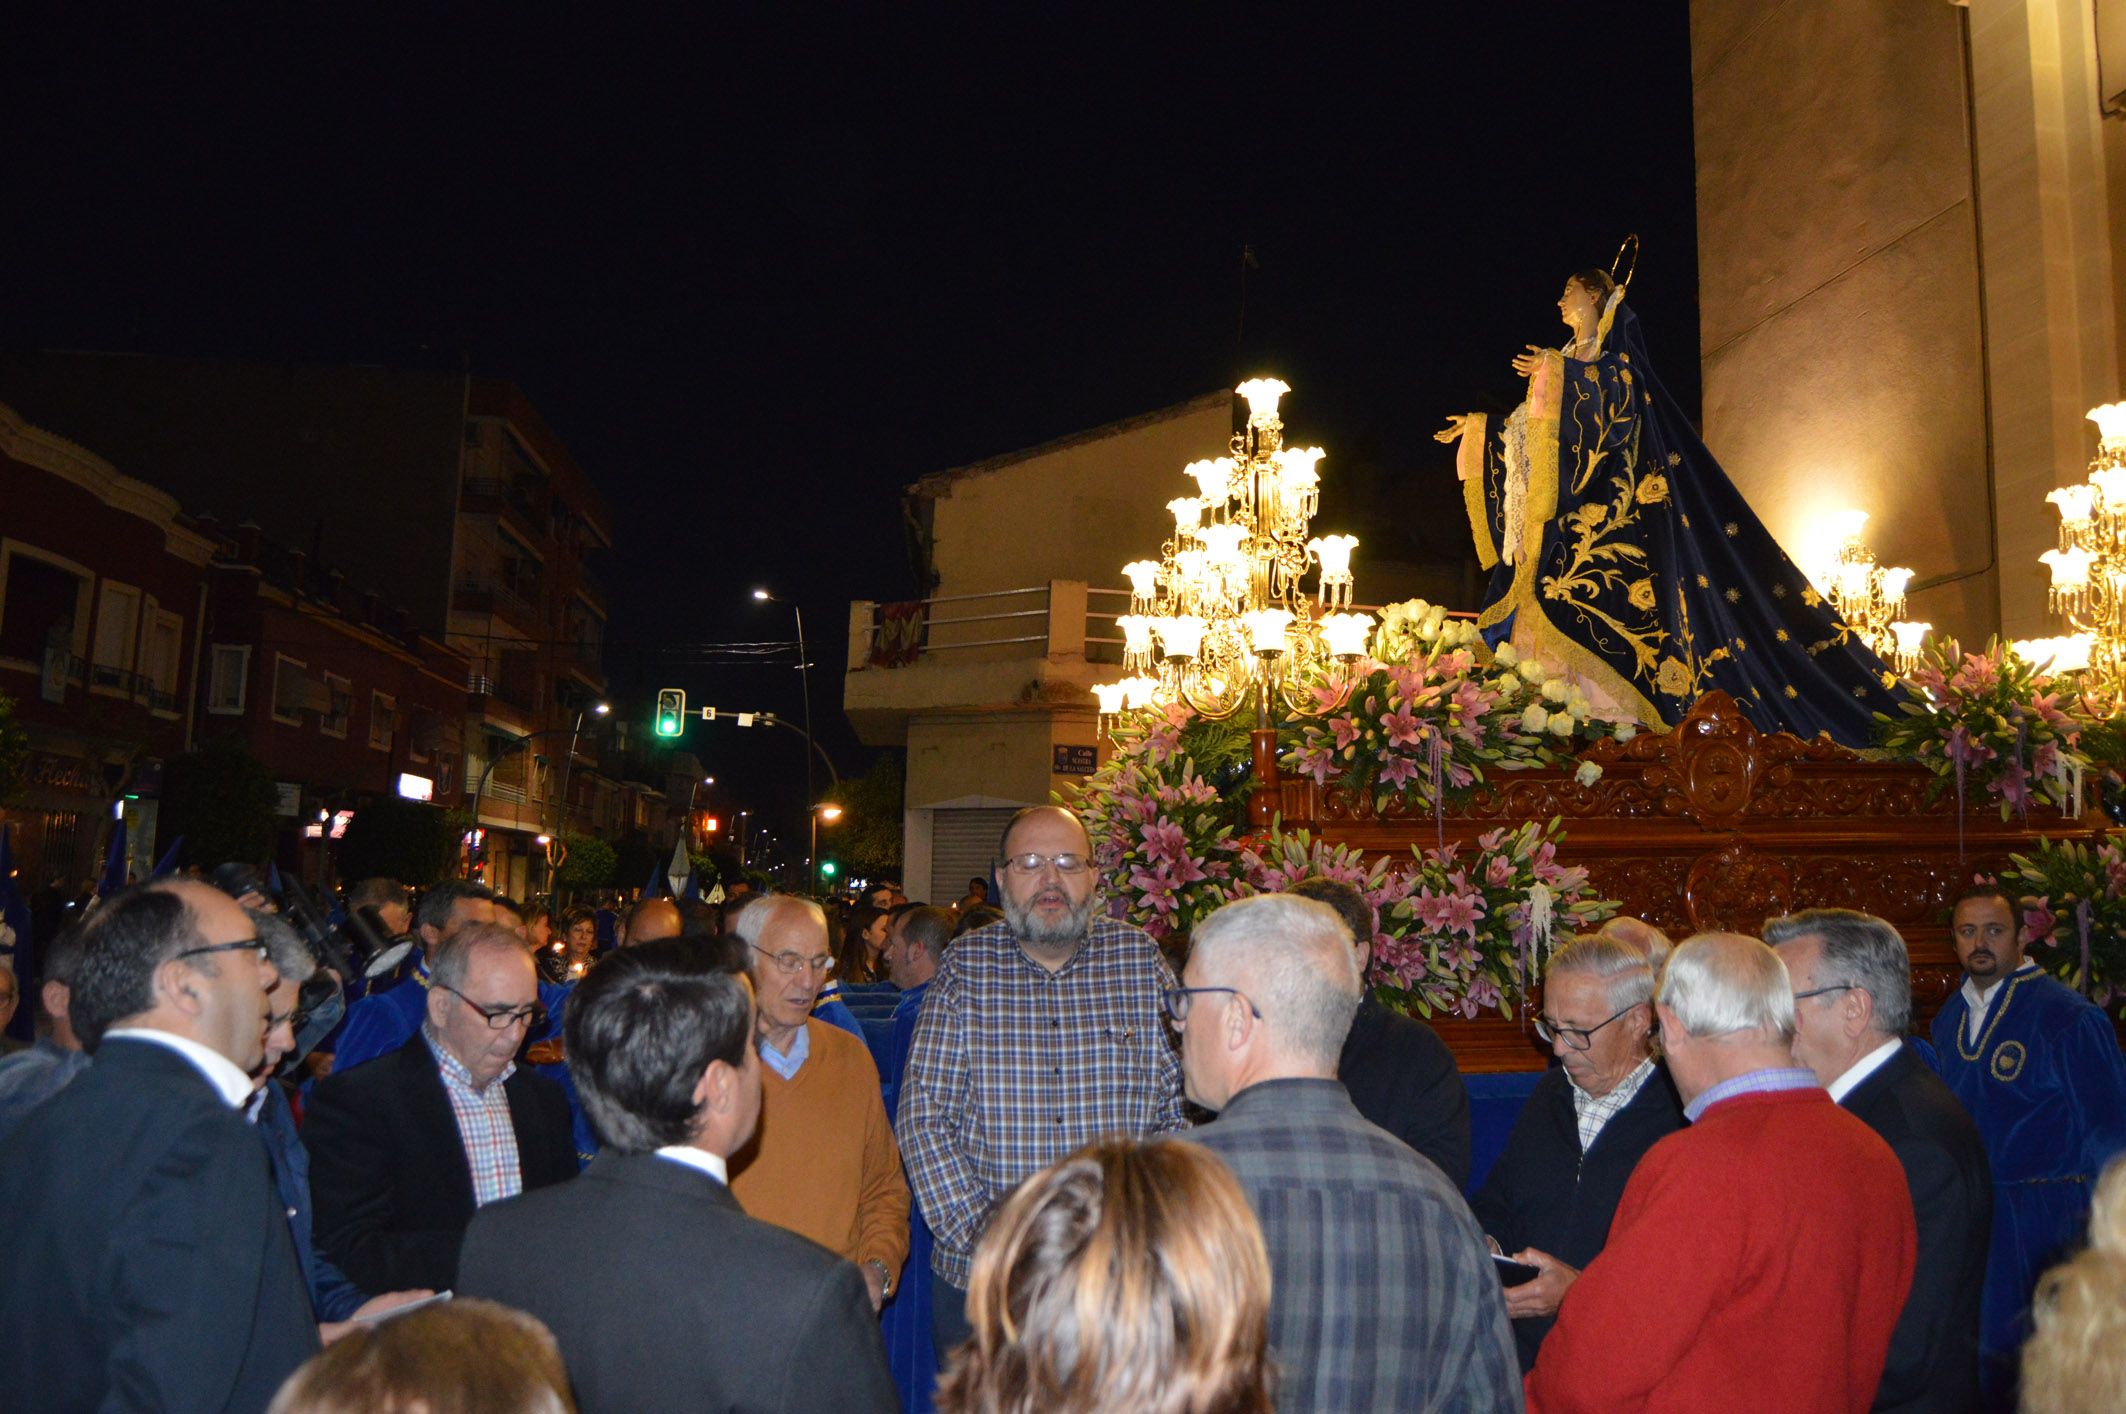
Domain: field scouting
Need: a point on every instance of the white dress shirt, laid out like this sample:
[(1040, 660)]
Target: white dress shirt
[(710, 1164), (1980, 1002), (1861, 1069), (231, 1083)]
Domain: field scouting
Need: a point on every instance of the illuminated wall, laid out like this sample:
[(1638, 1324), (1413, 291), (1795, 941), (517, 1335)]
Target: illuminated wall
[(1906, 255)]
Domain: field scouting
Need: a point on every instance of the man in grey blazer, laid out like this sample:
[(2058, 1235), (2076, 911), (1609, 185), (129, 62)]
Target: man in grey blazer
[(662, 1293)]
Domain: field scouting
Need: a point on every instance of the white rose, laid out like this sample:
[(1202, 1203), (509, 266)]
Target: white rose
[(1557, 690), (1588, 773), (1508, 685), (1506, 655), (1532, 671), (1560, 724), (1626, 730), (1534, 718)]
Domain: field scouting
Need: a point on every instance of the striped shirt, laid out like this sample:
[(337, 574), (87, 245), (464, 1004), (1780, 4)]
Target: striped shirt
[(1014, 1066), (1594, 1111), (484, 1124), (1755, 1082)]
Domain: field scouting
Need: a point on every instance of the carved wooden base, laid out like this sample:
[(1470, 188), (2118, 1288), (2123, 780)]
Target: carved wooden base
[(1716, 825)]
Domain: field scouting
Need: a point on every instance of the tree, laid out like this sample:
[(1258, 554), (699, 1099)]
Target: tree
[(14, 750), (406, 840), (589, 865), (867, 839), (222, 800)]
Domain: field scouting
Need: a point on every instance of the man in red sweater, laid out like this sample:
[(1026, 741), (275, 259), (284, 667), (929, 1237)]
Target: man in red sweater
[(1759, 1258)]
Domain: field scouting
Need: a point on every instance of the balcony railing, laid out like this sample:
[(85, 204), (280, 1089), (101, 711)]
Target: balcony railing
[(480, 596), (1000, 623)]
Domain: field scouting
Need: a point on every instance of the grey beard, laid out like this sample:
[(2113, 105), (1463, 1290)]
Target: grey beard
[(1072, 929)]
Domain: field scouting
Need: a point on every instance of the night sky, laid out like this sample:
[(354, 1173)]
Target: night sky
[(761, 271)]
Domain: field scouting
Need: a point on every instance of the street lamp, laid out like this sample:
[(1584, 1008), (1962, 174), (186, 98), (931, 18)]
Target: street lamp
[(829, 812), (804, 680)]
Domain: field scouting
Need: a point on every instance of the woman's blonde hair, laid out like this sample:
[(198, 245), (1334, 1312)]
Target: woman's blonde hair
[(1128, 1276), (456, 1357), (2077, 1359)]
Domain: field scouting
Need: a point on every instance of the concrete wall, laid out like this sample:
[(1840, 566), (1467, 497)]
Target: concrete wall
[(1077, 509), (1839, 297)]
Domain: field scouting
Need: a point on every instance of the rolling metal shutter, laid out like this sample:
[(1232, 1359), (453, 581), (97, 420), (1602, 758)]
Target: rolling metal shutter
[(963, 844)]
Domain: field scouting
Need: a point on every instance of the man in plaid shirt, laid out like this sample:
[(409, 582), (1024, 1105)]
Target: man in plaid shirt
[(1383, 1296), (1039, 1034)]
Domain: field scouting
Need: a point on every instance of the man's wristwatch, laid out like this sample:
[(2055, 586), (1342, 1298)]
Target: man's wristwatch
[(885, 1278)]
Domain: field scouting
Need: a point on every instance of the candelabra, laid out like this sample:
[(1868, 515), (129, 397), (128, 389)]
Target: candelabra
[(2089, 571), (1221, 619), (1871, 597)]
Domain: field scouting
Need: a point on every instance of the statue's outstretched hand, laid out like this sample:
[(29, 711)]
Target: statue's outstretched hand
[(1452, 432), (1527, 363)]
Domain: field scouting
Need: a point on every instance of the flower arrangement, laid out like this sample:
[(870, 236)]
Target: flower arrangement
[(2074, 913), (1471, 931), (1990, 718), (1162, 833), (1432, 710), (1288, 856)]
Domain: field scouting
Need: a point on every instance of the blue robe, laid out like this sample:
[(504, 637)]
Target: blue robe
[(2047, 1087), (1619, 548)]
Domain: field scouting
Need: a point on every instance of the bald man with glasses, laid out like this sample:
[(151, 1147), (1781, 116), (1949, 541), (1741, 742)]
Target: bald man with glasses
[(1038, 1034), (405, 1148), (148, 1263)]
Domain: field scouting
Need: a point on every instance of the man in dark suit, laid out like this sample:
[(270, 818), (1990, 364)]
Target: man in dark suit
[(1398, 1071), (405, 1148), (1852, 1007), (661, 1291), (148, 1264), (1383, 1295)]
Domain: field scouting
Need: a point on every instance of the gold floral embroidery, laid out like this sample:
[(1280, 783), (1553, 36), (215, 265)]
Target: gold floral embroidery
[(1780, 634), (1810, 597), (1732, 529), (1641, 593), (1673, 678), (1740, 645), (1733, 596), (1790, 691), (1704, 583), (1889, 680), (1685, 519), (1653, 490), (1779, 591), (1675, 458)]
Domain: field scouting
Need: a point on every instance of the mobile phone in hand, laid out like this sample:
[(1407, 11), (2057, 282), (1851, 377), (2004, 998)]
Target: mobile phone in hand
[(1512, 1273)]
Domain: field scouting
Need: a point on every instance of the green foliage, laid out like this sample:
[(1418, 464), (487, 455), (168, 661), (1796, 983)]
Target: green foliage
[(14, 750), (406, 840), (221, 798), (2073, 898), (867, 839), (591, 863)]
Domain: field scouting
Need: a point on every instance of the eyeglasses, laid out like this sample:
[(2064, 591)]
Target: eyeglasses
[(789, 964), (1029, 864), (501, 1018), (250, 944), (1824, 991), (1174, 1001), (1577, 1038)]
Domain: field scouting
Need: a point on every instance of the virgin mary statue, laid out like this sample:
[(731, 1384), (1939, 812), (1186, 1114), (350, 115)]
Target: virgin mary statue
[(1621, 553)]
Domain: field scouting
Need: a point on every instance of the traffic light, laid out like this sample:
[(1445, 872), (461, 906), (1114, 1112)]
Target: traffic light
[(671, 710), (714, 824), (829, 868)]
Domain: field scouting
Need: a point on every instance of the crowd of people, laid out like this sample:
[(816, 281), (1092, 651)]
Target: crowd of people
[(699, 1165)]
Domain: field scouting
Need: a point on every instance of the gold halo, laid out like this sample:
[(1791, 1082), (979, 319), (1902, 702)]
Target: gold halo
[(1631, 243)]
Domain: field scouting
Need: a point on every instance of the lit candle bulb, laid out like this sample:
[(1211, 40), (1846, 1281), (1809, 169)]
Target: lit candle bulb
[(2070, 568), (1111, 697), (2076, 503), (1262, 395), (1139, 691), (1188, 512), (2110, 420), (1181, 636), (1266, 629), (1211, 480), (1346, 634), (1143, 576)]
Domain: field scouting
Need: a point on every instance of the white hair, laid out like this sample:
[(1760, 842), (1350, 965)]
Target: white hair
[(1292, 958), (1726, 984), (758, 917), (1625, 971)]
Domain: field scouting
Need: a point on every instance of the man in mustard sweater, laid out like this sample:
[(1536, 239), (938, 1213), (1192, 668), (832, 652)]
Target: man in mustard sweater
[(823, 1162)]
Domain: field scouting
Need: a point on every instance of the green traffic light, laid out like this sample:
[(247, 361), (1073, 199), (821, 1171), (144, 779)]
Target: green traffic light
[(828, 867), (668, 726)]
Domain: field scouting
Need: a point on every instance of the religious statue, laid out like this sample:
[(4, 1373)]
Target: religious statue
[(1621, 553)]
